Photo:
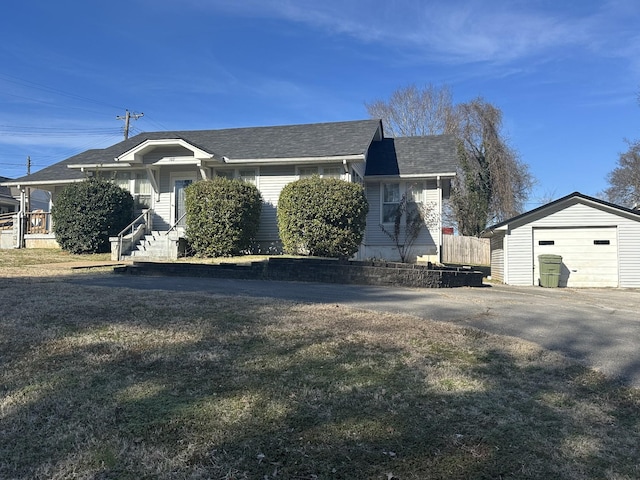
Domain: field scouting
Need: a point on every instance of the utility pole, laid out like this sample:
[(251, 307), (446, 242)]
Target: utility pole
[(29, 188), (128, 115)]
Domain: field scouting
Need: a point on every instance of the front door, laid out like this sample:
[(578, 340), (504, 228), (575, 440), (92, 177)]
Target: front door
[(179, 204)]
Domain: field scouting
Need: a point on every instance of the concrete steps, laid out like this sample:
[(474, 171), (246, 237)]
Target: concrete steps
[(156, 245)]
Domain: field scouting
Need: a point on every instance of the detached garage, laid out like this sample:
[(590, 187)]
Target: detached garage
[(599, 243)]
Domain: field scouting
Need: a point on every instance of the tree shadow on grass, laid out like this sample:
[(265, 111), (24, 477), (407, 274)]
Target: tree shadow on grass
[(211, 390)]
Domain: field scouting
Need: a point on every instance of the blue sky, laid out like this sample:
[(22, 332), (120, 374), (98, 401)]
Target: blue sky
[(566, 74)]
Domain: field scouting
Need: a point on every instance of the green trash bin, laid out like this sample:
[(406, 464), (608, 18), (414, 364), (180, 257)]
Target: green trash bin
[(549, 270)]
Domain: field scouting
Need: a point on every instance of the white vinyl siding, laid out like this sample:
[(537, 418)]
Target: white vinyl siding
[(272, 181), (629, 253), (519, 265), (166, 152), (497, 257)]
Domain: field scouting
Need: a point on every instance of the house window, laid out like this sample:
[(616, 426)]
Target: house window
[(248, 176), (332, 172), (122, 180), (415, 196), (390, 201), (224, 174), (306, 172), (138, 185), (142, 191)]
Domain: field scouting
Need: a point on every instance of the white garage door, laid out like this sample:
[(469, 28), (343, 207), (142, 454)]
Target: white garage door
[(589, 255)]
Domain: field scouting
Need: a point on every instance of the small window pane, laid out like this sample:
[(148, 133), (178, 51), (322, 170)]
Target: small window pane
[(121, 179), (332, 172), (389, 212), (392, 192), (305, 172), (415, 192), (142, 184), (224, 174), (248, 176)]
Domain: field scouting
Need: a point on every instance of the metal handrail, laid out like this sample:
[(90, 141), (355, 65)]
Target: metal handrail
[(175, 224), (143, 216)]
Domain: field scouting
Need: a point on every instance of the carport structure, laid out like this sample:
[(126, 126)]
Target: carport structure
[(599, 243)]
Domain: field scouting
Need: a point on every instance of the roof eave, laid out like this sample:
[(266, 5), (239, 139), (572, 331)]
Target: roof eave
[(410, 176), (297, 160)]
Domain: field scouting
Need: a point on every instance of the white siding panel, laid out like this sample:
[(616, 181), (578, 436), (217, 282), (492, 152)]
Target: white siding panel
[(497, 257), (629, 253), (576, 215), (166, 152), (272, 180), (373, 233), (519, 257)]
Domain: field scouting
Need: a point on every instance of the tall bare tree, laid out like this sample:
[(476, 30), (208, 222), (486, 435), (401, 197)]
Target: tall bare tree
[(413, 111), (624, 180), (492, 182)]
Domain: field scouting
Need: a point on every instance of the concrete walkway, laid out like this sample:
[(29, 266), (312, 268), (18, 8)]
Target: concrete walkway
[(599, 327)]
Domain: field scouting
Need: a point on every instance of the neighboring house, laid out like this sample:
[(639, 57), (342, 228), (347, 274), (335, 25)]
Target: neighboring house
[(9, 198), (599, 243), (156, 167), (10, 201)]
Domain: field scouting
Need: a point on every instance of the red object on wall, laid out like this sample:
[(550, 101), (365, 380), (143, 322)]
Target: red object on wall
[(447, 230)]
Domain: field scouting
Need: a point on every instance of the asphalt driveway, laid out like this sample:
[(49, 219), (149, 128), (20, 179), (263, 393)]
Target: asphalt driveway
[(599, 327)]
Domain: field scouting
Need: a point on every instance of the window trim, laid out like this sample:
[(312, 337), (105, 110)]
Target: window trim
[(383, 202), (320, 171), (235, 173)]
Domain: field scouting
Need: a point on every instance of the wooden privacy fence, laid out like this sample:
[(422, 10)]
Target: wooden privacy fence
[(460, 250)]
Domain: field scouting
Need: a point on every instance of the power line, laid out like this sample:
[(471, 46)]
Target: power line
[(45, 88)]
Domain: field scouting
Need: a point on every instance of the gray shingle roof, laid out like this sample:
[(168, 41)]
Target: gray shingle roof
[(288, 141), (5, 192), (431, 154), (391, 156)]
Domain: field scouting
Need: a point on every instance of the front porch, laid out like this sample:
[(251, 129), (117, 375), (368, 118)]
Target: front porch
[(137, 240), (27, 230)]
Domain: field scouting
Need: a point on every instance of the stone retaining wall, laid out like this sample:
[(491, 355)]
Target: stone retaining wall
[(319, 270)]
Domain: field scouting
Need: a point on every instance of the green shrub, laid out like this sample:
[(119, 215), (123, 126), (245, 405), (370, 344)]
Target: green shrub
[(322, 217), (86, 214), (223, 216)]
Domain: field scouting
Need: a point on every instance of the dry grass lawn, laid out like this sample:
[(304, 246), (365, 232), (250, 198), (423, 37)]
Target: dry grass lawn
[(102, 383)]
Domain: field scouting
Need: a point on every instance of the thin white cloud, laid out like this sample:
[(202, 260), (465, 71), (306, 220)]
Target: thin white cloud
[(461, 31)]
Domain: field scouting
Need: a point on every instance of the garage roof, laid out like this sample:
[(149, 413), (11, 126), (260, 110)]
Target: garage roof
[(575, 197)]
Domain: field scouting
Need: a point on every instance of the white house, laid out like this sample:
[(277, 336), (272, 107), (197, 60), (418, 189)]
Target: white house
[(156, 167), (599, 243)]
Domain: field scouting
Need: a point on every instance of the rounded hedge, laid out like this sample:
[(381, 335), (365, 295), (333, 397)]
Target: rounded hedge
[(223, 216), (323, 217), (87, 213)]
